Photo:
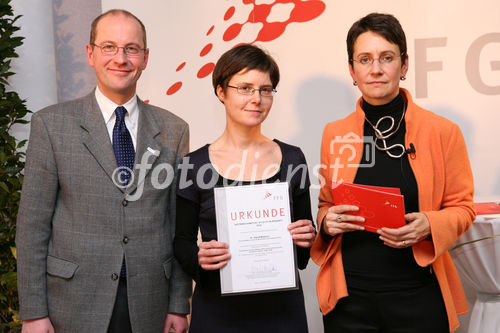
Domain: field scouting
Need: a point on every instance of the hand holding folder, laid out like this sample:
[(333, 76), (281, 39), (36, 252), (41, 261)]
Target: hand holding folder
[(380, 206)]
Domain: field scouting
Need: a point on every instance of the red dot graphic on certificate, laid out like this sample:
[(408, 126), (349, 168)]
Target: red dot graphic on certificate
[(302, 11)]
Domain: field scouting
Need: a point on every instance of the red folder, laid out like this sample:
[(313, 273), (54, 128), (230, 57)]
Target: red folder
[(380, 206), (486, 208)]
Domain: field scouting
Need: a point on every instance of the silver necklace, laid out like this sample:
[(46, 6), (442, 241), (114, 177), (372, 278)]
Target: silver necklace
[(385, 134)]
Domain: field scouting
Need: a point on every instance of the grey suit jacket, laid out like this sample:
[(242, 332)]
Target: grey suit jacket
[(75, 224)]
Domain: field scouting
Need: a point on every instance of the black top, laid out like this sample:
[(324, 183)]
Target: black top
[(282, 311), (368, 263)]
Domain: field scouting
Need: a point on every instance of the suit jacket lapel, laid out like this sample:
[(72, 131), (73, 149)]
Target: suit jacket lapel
[(96, 138), (148, 148)]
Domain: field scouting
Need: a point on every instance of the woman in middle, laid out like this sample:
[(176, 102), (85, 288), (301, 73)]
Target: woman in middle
[(244, 80)]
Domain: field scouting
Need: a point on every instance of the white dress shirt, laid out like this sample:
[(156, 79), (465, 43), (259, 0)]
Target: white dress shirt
[(108, 112)]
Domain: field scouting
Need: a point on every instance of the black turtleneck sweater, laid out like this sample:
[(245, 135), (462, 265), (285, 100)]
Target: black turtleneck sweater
[(368, 263)]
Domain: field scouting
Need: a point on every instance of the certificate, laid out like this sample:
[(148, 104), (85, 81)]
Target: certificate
[(253, 220)]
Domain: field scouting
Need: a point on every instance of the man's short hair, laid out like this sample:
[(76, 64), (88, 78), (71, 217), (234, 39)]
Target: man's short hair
[(93, 26)]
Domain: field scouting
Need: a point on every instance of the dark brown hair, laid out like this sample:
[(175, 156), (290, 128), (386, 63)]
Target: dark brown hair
[(384, 24), (240, 57), (93, 26)]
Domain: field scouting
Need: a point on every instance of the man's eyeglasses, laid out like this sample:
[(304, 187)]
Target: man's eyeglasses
[(246, 90), (382, 60), (110, 49)]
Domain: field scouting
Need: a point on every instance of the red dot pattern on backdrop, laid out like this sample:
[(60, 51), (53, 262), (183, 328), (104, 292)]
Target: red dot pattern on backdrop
[(205, 70), (206, 49), (231, 32), (229, 13), (210, 30), (174, 88), (181, 66), (303, 11)]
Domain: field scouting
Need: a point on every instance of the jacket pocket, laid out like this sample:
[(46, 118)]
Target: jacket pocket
[(167, 267), (60, 267)]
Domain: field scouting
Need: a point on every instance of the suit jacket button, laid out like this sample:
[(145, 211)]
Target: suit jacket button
[(125, 239), (114, 276), (124, 202)]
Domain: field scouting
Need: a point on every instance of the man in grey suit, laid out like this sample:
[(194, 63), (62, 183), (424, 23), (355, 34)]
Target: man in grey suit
[(94, 241)]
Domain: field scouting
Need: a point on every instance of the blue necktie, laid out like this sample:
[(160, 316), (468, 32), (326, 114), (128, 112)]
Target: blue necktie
[(124, 154), (123, 145)]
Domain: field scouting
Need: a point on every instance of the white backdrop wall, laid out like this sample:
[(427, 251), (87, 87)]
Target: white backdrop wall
[(454, 50), (453, 47)]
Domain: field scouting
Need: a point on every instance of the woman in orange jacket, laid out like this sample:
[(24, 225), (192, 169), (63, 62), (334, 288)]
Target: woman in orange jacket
[(403, 279)]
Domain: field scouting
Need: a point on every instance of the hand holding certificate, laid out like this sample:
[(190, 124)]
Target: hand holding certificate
[(253, 220)]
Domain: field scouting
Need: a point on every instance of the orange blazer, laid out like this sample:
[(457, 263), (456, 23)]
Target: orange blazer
[(445, 195)]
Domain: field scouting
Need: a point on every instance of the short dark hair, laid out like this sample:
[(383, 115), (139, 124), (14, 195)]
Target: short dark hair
[(93, 26), (384, 24), (240, 57)]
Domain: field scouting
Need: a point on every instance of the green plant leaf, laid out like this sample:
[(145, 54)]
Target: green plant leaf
[(12, 111), (21, 144), (8, 277), (4, 187)]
